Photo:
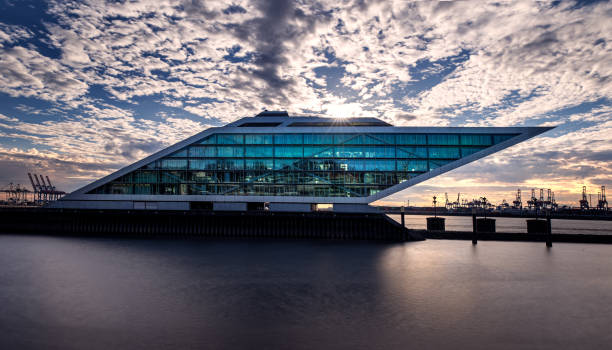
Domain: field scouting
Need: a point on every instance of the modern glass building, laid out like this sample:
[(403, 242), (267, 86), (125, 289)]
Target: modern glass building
[(290, 163)]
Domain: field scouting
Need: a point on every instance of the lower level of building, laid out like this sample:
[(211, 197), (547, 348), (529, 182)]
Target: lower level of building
[(215, 206)]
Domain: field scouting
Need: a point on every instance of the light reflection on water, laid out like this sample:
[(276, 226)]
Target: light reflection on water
[(464, 223), (75, 293)]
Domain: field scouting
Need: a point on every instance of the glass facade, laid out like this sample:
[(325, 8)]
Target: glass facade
[(305, 165)]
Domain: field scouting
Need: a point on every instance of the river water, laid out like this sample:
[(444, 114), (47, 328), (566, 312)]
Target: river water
[(95, 293), (510, 225)]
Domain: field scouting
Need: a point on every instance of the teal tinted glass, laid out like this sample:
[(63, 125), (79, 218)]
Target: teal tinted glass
[(202, 164), (327, 165), (412, 165), (380, 165), (230, 139), (258, 139), (348, 152), (411, 139), (442, 139), (466, 151), (443, 152), (209, 140), (342, 138), (318, 151), (145, 176), (288, 139), (436, 163), (181, 153), (259, 151), (203, 151), (230, 164), (288, 151), (411, 152), (230, 151), (318, 139), (174, 163), (501, 138), (476, 140), (259, 164), (286, 164)]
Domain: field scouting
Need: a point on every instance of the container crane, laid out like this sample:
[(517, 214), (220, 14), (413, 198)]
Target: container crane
[(602, 202), (584, 203)]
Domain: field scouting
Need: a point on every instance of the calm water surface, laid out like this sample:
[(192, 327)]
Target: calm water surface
[(464, 223), (79, 293)]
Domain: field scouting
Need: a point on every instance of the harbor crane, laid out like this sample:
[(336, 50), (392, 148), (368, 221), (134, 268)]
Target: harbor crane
[(584, 203), (518, 202), (602, 202), (45, 192)]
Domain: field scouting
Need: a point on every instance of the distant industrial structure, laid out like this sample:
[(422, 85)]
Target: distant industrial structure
[(16, 194), (43, 192), (540, 200)]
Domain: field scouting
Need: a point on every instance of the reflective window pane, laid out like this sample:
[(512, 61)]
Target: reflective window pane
[(443, 152), (318, 139), (259, 151), (288, 139), (259, 164), (288, 151), (501, 138), (230, 139), (258, 139), (476, 140), (443, 139), (230, 151), (411, 139)]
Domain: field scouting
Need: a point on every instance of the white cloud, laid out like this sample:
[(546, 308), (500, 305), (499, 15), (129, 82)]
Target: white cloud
[(520, 62)]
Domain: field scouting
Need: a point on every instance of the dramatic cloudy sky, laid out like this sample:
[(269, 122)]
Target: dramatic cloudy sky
[(87, 87)]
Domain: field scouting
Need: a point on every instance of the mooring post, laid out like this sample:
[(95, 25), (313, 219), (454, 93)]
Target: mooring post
[(474, 229), (548, 230), (403, 220)]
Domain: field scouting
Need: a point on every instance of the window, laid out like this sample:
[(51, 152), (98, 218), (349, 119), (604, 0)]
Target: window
[(380, 165), (203, 151), (258, 139), (288, 139), (466, 151), (259, 164), (436, 163), (145, 177), (443, 152), (412, 165), (318, 139), (259, 151), (230, 139), (181, 153), (442, 139), (318, 151), (501, 138), (230, 151), (288, 151), (286, 164), (476, 140), (174, 163), (411, 139), (411, 152), (210, 140), (202, 164), (230, 164)]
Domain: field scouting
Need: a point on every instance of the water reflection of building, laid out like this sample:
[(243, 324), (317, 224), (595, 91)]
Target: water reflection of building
[(281, 163)]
